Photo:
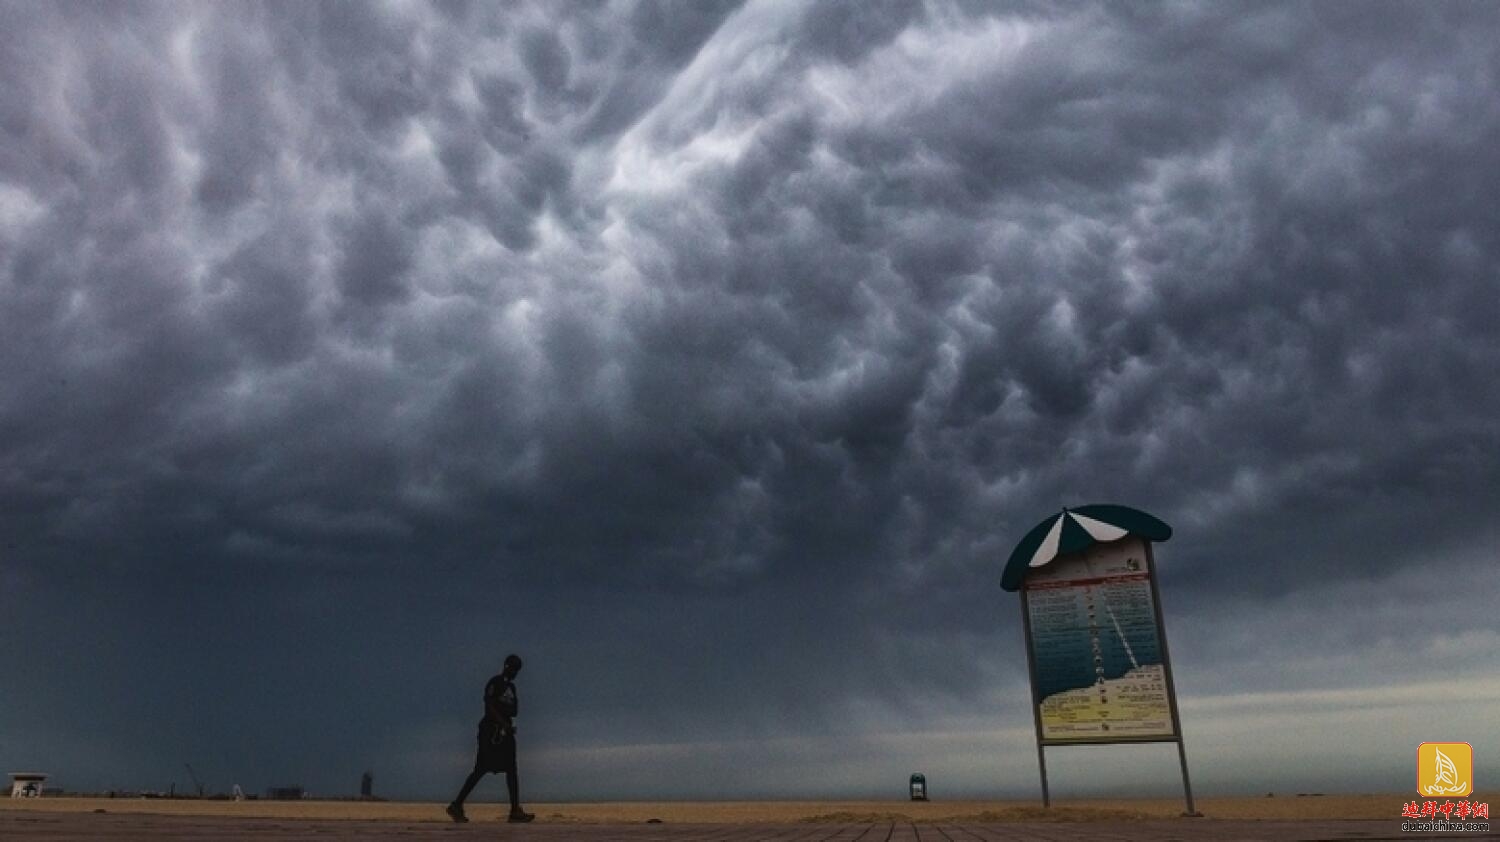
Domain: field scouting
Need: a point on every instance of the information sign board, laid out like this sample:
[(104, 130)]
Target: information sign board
[(1096, 651)]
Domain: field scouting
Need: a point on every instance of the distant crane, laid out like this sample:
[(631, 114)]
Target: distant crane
[(194, 776)]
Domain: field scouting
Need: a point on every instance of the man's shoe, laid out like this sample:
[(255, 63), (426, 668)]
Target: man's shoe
[(520, 816), (456, 812)]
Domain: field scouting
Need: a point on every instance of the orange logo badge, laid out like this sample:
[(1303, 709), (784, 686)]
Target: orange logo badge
[(1445, 769)]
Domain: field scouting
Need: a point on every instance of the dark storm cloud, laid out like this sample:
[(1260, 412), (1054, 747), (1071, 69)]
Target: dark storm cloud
[(717, 354)]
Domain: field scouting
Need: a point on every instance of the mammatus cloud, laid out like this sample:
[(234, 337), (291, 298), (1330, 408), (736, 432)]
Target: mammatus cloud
[(716, 355)]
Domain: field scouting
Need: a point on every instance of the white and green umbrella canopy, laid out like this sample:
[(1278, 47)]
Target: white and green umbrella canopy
[(1075, 530)]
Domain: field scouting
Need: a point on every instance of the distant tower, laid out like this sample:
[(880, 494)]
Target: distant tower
[(366, 785)]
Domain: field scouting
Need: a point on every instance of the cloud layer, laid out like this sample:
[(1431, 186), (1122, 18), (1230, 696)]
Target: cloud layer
[(715, 355)]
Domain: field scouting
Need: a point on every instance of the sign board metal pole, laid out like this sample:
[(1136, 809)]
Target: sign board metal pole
[(1166, 660), (1036, 702)]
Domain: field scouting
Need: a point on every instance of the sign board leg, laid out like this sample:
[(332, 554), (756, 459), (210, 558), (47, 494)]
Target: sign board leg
[(1187, 787), (1041, 762), (1166, 659)]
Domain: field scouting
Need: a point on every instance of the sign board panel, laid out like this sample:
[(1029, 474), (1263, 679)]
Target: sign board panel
[(1096, 647)]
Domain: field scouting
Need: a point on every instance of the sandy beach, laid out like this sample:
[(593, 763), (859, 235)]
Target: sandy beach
[(1279, 819)]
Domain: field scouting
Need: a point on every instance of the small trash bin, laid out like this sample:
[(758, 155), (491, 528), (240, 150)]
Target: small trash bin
[(918, 786), (27, 784)]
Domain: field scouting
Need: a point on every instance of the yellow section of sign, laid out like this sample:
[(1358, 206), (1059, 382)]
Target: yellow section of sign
[(1132, 707), (1445, 769)]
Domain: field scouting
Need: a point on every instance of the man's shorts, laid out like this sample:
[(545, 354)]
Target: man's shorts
[(497, 752)]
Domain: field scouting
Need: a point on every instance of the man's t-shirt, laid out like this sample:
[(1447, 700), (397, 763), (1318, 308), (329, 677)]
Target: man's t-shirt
[(497, 740), (502, 693)]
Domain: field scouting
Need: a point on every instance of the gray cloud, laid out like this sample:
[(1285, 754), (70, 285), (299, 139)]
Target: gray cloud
[(715, 356)]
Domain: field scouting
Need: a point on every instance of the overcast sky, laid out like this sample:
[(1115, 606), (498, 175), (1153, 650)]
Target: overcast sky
[(713, 357)]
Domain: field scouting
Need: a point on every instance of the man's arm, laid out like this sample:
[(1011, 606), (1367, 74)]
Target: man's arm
[(494, 708), (509, 707), (500, 704)]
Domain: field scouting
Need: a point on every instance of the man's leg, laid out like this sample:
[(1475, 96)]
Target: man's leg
[(513, 779), (469, 785), (456, 809), (513, 784)]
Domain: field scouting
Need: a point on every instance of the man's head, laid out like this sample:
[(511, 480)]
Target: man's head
[(512, 665)]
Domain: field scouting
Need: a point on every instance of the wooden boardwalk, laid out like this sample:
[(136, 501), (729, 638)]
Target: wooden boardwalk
[(68, 827)]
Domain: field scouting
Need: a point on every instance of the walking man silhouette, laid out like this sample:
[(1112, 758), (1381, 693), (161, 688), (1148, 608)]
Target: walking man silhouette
[(497, 742)]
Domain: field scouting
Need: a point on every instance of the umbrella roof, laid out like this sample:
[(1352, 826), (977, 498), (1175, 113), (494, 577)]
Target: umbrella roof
[(1075, 530)]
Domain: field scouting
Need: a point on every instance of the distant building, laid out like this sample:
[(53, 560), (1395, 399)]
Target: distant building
[(285, 793), (27, 784), (366, 785)]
